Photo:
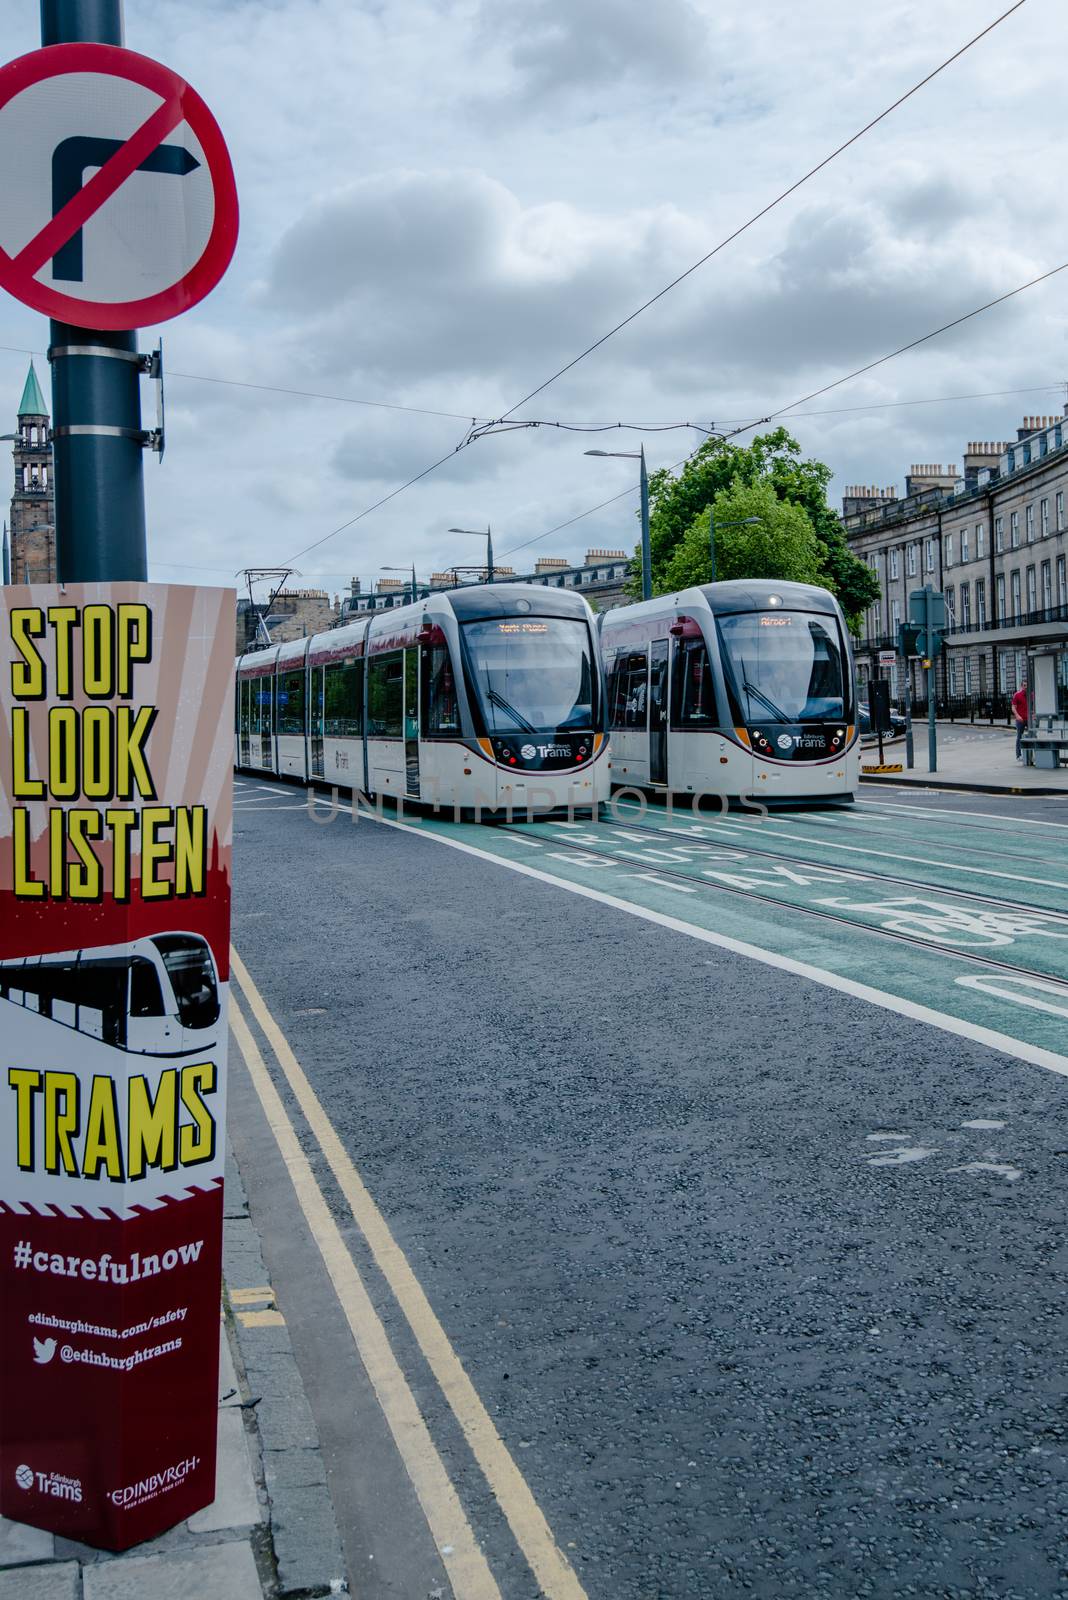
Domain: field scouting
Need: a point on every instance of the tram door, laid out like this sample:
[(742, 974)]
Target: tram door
[(244, 688), (265, 693), (658, 688), (316, 760), (411, 723)]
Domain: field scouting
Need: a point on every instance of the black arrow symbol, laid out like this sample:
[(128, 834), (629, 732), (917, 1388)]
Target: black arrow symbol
[(72, 158)]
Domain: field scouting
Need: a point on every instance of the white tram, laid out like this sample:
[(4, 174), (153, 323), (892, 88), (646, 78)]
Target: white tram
[(741, 690), (157, 996), (487, 697)]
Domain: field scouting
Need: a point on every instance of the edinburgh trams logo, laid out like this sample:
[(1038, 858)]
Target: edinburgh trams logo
[(56, 1484)]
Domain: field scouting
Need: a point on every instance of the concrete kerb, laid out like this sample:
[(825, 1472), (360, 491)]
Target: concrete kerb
[(926, 781)]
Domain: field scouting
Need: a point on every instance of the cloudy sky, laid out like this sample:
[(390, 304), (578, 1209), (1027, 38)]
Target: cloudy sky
[(443, 201)]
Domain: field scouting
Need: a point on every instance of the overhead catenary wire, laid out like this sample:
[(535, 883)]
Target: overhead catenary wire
[(763, 212), (576, 427), (788, 410), (597, 343)]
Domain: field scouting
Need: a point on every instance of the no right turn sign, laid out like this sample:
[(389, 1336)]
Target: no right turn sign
[(118, 206)]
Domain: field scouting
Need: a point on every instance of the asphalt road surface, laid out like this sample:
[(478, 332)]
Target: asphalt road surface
[(761, 1284)]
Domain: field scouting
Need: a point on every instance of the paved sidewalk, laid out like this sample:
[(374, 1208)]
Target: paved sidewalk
[(970, 756), (271, 1529)]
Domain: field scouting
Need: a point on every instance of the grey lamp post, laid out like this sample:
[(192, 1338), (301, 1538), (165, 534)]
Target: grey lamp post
[(476, 533), (741, 522), (638, 455)]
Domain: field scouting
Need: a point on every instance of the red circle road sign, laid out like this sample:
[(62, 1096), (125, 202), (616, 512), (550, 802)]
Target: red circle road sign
[(118, 206)]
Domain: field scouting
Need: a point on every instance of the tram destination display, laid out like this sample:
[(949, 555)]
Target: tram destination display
[(115, 837)]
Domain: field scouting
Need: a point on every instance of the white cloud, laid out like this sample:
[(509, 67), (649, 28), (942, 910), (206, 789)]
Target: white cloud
[(443, 201)]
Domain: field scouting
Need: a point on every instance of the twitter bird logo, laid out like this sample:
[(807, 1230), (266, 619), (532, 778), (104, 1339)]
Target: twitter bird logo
[(43, 1350)]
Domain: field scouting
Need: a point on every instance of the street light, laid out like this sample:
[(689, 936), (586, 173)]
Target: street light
[(638, 455), (742, 522), (476, 533)]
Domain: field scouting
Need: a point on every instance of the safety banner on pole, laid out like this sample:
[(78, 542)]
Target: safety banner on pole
[(115, 836)]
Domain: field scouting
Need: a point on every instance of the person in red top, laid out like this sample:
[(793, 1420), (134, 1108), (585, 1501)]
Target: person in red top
[(1020, 711)]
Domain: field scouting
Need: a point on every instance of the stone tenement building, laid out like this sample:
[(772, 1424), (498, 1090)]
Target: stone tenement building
[(32, 534), (294, 614), (600, 578), (994, 538)]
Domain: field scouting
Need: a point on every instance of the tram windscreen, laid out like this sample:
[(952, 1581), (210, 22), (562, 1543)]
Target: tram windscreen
[(533, 674), (784, 666), (189, 967)]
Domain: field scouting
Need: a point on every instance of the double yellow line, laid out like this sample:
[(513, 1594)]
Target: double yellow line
[(467, 1568)]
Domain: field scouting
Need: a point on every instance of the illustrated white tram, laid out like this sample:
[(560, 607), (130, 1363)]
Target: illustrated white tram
[(156, 996), (488, 697), (741, 690)]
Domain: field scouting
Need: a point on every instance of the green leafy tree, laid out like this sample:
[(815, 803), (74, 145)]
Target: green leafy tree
[(757, 536), (774, 461)]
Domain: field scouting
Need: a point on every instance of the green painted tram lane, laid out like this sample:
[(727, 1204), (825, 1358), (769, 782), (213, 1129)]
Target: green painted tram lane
[(931, 974), (941, 866)]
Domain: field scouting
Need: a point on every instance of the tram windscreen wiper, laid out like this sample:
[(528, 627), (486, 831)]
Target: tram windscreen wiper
[(758, 694), (502, 704)]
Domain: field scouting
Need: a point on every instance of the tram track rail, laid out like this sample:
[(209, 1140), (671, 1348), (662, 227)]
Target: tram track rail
[(988, 963)]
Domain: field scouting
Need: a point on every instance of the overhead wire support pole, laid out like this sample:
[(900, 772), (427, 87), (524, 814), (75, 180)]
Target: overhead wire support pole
[(98, 441), (647, 571)]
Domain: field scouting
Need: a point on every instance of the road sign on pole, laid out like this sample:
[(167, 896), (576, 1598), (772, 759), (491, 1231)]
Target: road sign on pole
[(119, 206)]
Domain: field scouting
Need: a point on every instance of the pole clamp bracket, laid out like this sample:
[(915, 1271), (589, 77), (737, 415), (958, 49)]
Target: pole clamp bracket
[(101, 430), (144, 363)]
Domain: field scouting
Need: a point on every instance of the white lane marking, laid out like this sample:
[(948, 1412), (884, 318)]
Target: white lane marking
[(1021, 991), (884, 1138), (1035, 1055), (300, 806), (661, 883), (1000, 1169), (985, 816), (902, 1156), (982, 1122)]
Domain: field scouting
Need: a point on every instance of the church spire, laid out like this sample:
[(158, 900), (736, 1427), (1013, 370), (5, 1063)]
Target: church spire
[(32, 403)]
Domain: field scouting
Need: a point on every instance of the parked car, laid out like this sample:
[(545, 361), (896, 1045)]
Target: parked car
[(897, 723)]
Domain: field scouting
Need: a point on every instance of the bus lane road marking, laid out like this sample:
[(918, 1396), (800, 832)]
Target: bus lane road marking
[(911, 967), (453, 1535), (736, 830), (530, 1529)]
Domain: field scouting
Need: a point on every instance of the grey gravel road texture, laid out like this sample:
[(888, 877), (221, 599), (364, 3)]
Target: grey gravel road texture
[(737, 1337)]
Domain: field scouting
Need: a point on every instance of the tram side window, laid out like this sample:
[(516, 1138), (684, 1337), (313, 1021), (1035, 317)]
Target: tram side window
[(385, 696), (344, 699), (693, 703), (441, 708), (290, 712), (629, 707)]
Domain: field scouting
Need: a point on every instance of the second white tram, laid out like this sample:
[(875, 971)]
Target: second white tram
[(485, 698), (741, 690)]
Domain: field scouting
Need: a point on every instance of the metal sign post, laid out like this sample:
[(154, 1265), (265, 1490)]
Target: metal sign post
[(118, 210), (97, 455), (927, 615)]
